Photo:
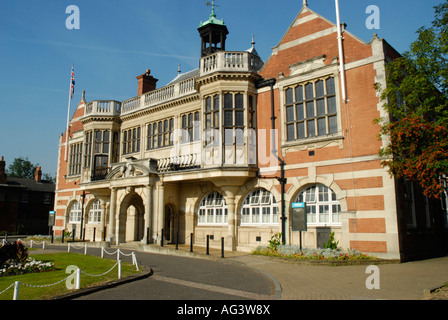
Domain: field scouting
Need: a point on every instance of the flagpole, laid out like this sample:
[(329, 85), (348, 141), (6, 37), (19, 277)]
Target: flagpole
[(68, 115), (341, 54)]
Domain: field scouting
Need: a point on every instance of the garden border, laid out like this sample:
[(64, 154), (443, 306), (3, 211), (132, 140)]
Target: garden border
[(329, 262), (146, 272)]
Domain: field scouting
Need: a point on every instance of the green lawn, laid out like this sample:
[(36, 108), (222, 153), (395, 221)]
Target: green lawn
[(89, 264)]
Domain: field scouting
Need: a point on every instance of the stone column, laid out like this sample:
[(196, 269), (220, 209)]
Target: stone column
[(160, 211), (148, 215), (103, 222), (111, 237), (232, 237), (232, 222)]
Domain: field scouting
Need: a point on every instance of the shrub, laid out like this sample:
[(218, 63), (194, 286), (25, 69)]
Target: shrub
[(275, 241), (331, 244)]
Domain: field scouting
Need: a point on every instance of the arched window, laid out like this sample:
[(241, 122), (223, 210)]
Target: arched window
[(213, 209), (95, 212), (75, 213), (322, 206), (259, 207)]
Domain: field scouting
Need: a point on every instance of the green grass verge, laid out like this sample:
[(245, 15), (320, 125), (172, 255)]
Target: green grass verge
[(89, 264)]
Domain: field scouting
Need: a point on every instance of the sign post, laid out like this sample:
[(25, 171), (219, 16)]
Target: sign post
[(51, 220), (298, 218)]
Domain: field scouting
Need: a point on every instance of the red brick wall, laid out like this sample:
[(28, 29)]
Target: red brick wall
[(369, 246), (374, 225), (360, 133)]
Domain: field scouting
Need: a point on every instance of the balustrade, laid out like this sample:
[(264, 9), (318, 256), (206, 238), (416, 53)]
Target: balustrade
[(177, 163), (103, 107), (237, 61)]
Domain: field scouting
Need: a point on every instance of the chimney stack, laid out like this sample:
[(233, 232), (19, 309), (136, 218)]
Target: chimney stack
[(38, 174), (3, 176), (146, 82)]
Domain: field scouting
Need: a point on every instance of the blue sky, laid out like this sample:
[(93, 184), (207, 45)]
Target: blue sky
[(119, 40)]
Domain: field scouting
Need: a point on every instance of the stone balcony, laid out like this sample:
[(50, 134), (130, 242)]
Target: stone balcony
[(230, 61), (103, 108)]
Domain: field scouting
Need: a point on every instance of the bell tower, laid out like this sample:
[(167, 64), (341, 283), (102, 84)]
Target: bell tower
[(213, 34)]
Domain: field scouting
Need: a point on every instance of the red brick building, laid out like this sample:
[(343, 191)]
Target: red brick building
[(220, 152), (25, 203)]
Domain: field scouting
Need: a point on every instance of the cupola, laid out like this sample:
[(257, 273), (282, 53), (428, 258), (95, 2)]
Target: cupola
[(213, 34)]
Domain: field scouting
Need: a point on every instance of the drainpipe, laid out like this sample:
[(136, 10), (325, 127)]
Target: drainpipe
[(282, 180)]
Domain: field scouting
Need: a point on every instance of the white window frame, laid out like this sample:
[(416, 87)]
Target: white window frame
[(322, 206), (95, 212), (213, 210), (75, 213), (259, 208)]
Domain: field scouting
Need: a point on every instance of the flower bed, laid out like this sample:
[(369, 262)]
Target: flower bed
[(294, 252), (31, 266)]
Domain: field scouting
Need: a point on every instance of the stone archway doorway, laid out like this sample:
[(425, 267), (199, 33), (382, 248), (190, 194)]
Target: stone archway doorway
[(131, 219)]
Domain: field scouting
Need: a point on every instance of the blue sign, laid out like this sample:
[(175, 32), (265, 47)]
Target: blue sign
[(298, 205)]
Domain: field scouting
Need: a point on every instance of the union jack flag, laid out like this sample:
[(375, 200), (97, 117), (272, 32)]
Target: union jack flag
[(72, 87)]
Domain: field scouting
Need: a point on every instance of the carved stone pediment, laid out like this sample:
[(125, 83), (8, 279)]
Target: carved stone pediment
[(128, 170)]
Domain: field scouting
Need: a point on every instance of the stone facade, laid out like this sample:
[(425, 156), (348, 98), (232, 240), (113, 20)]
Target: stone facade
[(203, 156)]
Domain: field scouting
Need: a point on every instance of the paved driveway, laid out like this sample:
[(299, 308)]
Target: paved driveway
[(184, 278)]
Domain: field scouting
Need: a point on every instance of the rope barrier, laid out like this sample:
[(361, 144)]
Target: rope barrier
[(17, 284), (6, 289), (31, 242), (118, 251), (102, 274), (78, 272)]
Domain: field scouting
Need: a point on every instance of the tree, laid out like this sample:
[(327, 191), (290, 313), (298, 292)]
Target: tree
[(21, 168), (416, 98)]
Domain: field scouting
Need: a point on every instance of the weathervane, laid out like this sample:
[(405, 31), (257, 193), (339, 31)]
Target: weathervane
[(212, 4)]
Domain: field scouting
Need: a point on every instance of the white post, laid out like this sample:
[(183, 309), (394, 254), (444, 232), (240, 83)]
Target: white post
[(119, 269), (31, 244), (16, 290), (118, 254), (78, 279), (85, 249), (102, 252), (134, 260), (68, 248), (43, 245)]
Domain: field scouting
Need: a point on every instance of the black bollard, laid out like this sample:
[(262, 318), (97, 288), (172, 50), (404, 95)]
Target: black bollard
[(222, 247), (191, 242), (208, 241), (177, 240), (161, 240), (94, 231), (147, 235)]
